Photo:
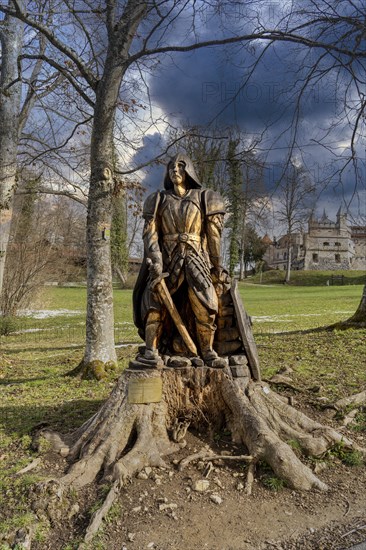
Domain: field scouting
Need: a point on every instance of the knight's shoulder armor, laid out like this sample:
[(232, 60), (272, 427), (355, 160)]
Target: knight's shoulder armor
[(151, 205), (213, 203)]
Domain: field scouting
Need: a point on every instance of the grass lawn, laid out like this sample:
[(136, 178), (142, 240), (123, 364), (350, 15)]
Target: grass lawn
[(278, 308), (49, 342), (284, 319), (311, 278)]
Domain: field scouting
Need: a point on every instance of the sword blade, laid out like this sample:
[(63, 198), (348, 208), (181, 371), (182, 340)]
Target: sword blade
[(167, 300)]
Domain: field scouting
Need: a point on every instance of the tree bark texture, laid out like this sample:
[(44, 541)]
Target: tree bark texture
[(100, 319), (11, 37), (124, 436), (358, 320), (288, 262)]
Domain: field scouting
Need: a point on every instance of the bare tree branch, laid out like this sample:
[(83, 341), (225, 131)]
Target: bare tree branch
[(264, 35), (62, 47), (64, 71), (80, 197)]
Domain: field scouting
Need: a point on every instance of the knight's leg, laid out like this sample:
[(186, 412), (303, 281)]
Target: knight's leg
[(205, 329), (153, 330)]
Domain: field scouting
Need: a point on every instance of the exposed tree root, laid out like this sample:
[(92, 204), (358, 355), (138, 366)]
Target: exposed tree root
[(124, 437), (93, 370), (203, 456), (250, 478), (356, 399), (30, 466), (284, 381), (100, 514)]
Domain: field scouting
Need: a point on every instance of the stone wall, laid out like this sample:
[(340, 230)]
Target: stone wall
[(326, 264)]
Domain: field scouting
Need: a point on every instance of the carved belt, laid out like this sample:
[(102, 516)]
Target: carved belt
[(182, 237)]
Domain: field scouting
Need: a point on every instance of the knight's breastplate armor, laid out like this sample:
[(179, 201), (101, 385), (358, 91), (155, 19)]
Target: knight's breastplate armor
[(182, 242)]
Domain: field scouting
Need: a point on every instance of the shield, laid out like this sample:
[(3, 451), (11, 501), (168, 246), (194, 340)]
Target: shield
[(234, 336)]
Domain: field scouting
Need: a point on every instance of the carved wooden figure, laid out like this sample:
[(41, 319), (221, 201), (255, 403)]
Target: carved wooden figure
[(182, 300)]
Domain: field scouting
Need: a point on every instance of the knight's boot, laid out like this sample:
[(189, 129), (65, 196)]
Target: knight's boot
[(152, 334), (205, 337)]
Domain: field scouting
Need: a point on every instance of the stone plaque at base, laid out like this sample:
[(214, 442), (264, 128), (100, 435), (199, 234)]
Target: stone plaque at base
[(145, 390)]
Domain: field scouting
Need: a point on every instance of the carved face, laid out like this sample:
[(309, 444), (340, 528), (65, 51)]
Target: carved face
[(177, 173)]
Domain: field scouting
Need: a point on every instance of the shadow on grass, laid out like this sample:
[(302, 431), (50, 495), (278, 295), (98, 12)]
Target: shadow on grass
[(19, 421), (266, 335), (342, 325), (15, 381), (317, 330), (45, 349)]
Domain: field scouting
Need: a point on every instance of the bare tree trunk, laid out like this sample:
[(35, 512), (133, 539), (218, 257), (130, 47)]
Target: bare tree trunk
[(242, 265), (122, 277), (100, 354), (288, 263), (360, 315), (100, 348), (11, 36), (243, 273), (358, 320)]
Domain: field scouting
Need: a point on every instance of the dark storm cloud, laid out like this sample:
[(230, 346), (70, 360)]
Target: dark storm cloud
[(209, 87)]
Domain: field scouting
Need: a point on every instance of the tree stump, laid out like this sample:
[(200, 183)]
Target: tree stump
[(147, 415)]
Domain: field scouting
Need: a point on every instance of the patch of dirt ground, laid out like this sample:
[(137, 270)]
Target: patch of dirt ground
[(161, 510)]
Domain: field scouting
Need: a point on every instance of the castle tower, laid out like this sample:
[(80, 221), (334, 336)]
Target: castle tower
[(341, 223), (328, 244)]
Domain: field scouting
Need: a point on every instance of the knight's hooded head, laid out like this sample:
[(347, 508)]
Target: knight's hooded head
[(191, 176)]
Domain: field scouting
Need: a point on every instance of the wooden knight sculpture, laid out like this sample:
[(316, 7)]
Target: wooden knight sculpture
[(183, 301)]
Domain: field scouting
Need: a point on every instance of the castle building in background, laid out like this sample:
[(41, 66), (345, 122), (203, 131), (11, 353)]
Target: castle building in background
[(327, 245), (277, 250)]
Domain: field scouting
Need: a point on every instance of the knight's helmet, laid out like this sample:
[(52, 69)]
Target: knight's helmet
[(192, 178)]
